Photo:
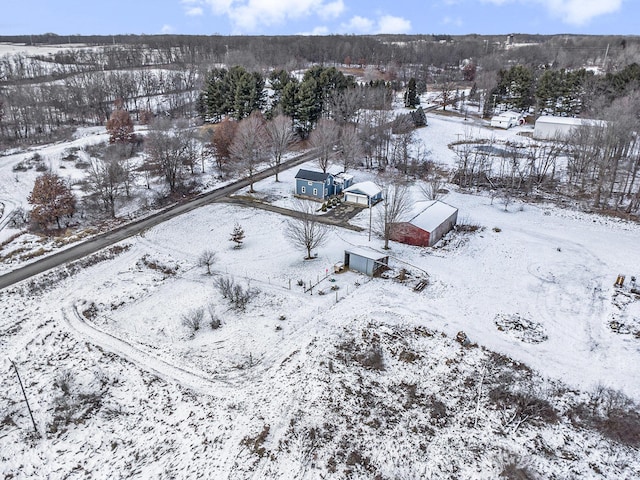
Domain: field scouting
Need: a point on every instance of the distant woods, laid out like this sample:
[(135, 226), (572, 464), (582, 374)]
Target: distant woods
[(43, 97)]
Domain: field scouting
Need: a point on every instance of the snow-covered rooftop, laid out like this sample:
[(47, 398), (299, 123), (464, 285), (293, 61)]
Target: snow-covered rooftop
[(367, 188), (568, 120), (366, 252), (431, 214)]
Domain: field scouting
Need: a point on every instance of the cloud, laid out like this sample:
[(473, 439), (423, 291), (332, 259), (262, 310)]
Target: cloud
[(194, 11), (574, 12), (167, 29), (320, 30), (358, 24), (455, 21), (250, 15), (383, 24), (391, 24)]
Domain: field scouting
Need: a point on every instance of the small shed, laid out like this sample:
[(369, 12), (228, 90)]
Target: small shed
[(363, 193), (316, 185), (507, 120), (366, 260), (549, 127), (426, 227)]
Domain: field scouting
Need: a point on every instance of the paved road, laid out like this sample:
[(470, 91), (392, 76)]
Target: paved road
[(131, 229)]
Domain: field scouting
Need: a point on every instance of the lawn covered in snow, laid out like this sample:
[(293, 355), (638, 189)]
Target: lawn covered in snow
[(355, 378)]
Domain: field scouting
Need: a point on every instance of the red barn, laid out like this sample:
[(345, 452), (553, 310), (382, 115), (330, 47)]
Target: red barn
[(428, 226)]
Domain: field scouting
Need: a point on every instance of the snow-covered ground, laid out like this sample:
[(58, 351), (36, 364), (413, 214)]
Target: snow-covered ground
[(361, 378)]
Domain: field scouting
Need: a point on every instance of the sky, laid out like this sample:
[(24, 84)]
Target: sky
[(320, 17)]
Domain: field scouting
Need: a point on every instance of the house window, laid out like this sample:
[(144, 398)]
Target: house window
[(303, 189), (315, 192)]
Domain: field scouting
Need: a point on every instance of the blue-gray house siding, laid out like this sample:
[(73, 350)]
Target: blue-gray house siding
[(312, 184)]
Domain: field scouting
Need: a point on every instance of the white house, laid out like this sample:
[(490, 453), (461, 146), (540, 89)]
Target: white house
[(507, 120)]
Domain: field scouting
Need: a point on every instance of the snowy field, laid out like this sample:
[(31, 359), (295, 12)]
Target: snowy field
[(289, 387)]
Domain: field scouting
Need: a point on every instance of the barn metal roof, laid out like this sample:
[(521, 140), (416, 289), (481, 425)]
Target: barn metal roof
[(367, 252), (432, 214)]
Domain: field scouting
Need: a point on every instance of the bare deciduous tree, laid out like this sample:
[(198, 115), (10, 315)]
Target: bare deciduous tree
[(170, 147), (394, 206), (221, 141), (280, 135), (207, 259), (306, 231), (433, 187), (350, 146), (324, 138), (249, 145), (106, 179)]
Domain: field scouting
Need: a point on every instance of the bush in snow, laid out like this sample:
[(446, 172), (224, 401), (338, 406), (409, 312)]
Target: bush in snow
[(214, 321), (193, 320), (207, 259), (238, 296)]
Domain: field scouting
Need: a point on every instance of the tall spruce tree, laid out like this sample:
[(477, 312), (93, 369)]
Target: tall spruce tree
[(411, 95)]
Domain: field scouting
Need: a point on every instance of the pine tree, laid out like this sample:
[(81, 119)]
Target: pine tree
[(411, 96), (237, 236)]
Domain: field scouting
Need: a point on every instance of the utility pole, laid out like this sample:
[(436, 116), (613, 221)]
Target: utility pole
[(370, 214), (24, 393)]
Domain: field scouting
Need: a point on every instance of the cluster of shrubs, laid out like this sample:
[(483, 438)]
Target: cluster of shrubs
[(330, 203)]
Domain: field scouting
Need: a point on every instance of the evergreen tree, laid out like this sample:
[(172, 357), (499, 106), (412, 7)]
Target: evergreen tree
[(237, 236), (411, 96), (419, 118)]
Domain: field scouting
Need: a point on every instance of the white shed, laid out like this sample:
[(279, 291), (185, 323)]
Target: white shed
[(549, 127)]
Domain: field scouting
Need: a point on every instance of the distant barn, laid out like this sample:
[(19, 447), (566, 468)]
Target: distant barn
[(431, 222), (549, 127)]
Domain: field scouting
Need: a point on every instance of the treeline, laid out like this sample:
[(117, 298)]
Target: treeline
[(42, 96), (42, 111), (560, 51), (322, 91), (560, 92)]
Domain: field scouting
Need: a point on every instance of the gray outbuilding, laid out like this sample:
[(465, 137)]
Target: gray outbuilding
[(366, 260), (549, 127)]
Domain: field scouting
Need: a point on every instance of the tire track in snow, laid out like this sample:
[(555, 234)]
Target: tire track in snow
[(144, 360)]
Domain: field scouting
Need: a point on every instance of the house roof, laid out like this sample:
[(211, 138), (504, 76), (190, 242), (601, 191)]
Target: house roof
[(369, 189), (366, 252), (506, 116), (431, 214), (312, 175)]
